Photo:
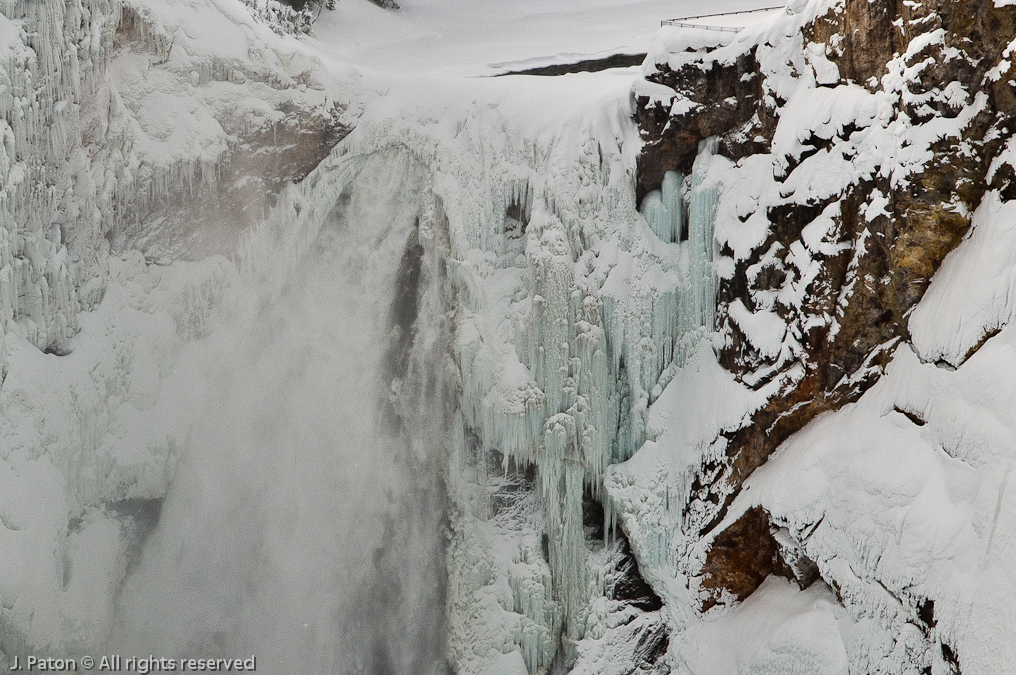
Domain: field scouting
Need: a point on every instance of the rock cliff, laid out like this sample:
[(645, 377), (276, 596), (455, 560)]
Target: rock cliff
[(862, 137)]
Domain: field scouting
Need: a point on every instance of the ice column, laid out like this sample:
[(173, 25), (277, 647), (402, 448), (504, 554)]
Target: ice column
[(683, 314), (55, 55), (663, 209), (562, 379), (705, 194)]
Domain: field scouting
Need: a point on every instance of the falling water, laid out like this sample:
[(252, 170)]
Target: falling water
[(305, 523)]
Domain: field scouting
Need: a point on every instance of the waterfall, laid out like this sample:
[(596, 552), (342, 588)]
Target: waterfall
[(681, 212), (663, 209), (305, 524), (705, 195)]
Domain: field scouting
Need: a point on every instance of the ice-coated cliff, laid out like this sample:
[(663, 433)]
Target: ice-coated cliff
[(102, 144), (701, 368)]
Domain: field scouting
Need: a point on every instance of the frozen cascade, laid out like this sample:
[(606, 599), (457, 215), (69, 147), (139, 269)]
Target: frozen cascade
[(305, 523), (570, 314), (569, 318), (53, 55), (705, 195), (688, 200), (693, 318), (664, 209)]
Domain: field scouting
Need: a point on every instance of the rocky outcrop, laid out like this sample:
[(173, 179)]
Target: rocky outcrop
[(846, 254), (722, 97)]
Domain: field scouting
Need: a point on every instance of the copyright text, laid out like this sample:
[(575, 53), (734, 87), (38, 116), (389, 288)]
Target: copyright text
[(142, 665)]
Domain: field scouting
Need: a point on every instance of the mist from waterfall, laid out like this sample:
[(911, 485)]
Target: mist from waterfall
[(305, 524)]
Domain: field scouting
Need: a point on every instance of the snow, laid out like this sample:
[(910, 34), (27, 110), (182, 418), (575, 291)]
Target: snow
[(700, 400), (912, 511), (779, 630), (969, 297), (475, 38), (764, 329), (99, 425), (522, 187)]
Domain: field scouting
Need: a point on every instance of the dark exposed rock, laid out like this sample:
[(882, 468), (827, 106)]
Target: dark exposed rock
[(726, 96), (649, 651), (625, 582), (912, 416), (647, 635), (592, 516), (950, 657), (926, 612), (586, 66)]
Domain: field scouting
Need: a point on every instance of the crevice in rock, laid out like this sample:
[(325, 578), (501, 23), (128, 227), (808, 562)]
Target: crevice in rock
[(988, 334), (910, 415), (950, 656), (624, 580), (585, 66), (650, 649), (593, 517), (510, 486), (638, 608), (926, 612), (740, 558)]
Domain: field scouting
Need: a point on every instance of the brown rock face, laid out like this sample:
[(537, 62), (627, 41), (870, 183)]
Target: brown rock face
[(854, 309), (741, 558), (725, 97)]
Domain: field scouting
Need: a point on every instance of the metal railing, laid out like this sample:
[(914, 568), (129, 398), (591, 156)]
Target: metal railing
[(682, 22)]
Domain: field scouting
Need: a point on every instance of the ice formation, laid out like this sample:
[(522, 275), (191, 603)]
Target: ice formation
[(95, 390), (549, 349), (542, 224)]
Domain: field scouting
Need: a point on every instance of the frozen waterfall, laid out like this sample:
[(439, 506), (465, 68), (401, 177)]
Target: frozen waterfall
[(305, 524)]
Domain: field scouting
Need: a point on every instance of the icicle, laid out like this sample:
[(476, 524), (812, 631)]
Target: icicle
[(663, 209), (704, 198), (672, 192), (657, 215)]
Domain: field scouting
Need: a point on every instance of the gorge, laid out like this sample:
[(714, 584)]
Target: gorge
[(334, 349)]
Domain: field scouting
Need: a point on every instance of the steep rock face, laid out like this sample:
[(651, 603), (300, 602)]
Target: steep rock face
[(863, 135)]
